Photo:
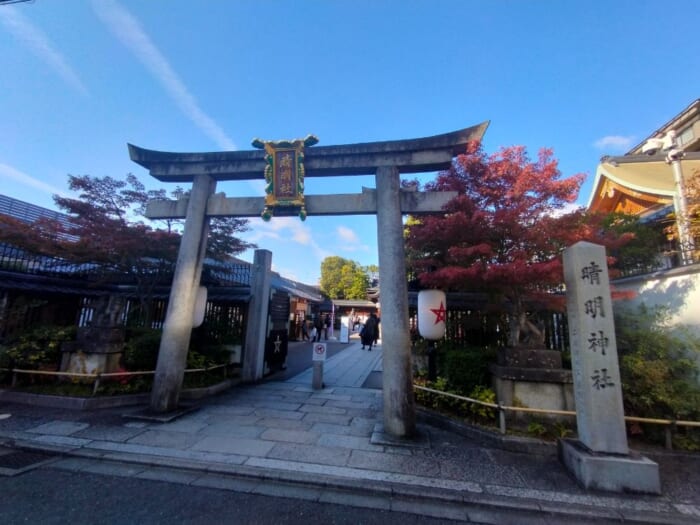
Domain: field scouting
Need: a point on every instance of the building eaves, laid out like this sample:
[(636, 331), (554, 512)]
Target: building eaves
[(678, 121)]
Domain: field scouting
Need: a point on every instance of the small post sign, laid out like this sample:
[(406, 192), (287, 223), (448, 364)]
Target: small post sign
[(319, 357), (319, 352)]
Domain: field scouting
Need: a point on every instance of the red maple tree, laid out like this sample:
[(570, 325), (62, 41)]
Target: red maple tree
[(106, 231), (503, 234)]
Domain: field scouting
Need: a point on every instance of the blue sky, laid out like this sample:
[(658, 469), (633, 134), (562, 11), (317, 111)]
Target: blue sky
[(83, 78)]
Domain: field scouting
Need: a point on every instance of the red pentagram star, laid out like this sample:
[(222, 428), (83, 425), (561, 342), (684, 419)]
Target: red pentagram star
[(440, 313)]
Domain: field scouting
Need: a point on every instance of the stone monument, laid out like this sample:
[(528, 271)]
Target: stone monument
[(600, 457), (98, 347)]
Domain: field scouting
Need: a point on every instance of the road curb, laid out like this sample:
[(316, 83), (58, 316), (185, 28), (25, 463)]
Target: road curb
[(488, 504)]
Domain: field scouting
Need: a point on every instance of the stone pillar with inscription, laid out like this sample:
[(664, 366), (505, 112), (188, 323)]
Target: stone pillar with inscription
[(600, 457)]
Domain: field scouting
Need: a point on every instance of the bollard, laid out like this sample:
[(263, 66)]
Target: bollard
[(317, 381), (668, 433), (319, 356), (501, 420)]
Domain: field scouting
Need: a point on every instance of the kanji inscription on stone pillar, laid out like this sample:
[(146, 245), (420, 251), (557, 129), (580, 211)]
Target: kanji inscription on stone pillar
[(597, 388)]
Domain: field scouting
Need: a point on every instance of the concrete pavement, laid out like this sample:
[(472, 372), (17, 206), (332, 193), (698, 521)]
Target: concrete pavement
[(286, 439)]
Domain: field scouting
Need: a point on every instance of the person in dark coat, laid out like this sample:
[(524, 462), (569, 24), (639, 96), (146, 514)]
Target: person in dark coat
[(370, 332), (326, 326), (318, 325), (305, 331)]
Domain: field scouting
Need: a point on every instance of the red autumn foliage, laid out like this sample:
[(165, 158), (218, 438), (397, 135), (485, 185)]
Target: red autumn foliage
[(106, 229), (504, 233)]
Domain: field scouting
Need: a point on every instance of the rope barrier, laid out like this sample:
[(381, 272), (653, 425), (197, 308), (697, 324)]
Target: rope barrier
[(97, 377), (506, 408)]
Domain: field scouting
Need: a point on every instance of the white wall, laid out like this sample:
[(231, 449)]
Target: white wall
[(677, 289)]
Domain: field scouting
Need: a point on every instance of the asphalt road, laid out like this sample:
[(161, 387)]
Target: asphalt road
[(50, 496)]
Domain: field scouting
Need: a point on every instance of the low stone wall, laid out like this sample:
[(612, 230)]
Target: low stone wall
[(98, 402)]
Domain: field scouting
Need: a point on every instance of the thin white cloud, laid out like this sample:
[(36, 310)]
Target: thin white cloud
[(349, 240), (277, 235), (284, 230), (128, 30), (281, 228), (36, 40), (614, 143), (7, 171), (347, 235), (260, 234)]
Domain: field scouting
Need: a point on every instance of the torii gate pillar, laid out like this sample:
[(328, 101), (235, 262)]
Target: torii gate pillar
[(172, 355), (397, 380)]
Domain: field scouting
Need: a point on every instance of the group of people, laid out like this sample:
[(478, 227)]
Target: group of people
[(319, 327), (312, 331)]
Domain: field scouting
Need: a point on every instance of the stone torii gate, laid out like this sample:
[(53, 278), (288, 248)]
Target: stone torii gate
[(386, 160)]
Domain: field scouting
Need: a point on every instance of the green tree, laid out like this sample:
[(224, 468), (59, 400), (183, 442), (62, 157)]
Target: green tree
[(343, 279), (645, 242), (372, 272), (658, 364)]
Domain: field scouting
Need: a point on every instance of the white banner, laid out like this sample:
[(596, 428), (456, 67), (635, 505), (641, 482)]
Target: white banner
[(345, 329)]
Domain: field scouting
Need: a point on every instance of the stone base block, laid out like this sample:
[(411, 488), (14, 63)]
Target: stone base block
[(520, 357), (611, 472), (534, 388), (90, 363)]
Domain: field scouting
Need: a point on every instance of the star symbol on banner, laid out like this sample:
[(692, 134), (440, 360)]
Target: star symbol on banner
[(277, 344), (440, 313)]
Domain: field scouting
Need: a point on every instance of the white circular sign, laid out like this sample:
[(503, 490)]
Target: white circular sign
[(319, 353)]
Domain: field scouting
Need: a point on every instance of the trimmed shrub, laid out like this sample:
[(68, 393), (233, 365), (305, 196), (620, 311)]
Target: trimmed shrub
[(141, 349), (40, 347), (485, 395), (466, 368)]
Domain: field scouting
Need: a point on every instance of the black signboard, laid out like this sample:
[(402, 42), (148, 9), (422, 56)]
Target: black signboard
[(276, 348)]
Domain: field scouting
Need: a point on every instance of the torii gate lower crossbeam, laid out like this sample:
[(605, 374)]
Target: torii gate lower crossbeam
[(384, 159)]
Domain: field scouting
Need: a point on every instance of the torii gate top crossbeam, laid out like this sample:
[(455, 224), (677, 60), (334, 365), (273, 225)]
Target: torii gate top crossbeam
[(409, 156)]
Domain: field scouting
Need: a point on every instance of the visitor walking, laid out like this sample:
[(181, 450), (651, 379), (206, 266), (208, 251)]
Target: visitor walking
[(318, 325), (369, 332), (304, 331), (326, 326)]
